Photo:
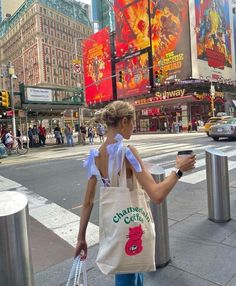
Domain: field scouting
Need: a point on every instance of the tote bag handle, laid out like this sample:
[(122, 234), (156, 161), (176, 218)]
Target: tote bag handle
[(119, 180)]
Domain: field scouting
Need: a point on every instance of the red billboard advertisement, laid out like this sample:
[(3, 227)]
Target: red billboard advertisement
[(97, 67), (132, 76), (132, 26), (170, 39)]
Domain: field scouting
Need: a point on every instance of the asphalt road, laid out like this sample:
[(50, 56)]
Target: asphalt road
[(63, 180)]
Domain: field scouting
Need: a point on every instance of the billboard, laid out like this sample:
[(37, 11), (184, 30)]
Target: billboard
[(234, 25), (97, 67), (52, 96), (170, 39), (38, 95), (213, 39), (132, 26), (132, 76)]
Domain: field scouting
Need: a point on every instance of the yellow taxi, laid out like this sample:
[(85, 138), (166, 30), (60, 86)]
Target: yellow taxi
[(213, 121)]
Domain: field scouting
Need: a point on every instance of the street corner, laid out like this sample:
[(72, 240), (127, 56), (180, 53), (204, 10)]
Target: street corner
[(48, 249)]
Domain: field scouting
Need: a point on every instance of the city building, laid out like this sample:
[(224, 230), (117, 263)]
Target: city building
[(1, 13), (103, 14), (42, 40)]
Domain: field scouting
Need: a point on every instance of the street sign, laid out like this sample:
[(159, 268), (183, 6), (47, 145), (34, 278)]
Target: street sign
[(9, 112)]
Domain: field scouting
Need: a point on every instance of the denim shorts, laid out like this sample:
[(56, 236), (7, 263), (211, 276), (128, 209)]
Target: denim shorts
[(132, 279)]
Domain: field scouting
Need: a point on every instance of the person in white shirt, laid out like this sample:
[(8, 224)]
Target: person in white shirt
[(9, 139)]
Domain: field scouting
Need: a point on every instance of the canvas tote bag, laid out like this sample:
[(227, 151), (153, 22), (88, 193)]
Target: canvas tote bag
[(126, 228)]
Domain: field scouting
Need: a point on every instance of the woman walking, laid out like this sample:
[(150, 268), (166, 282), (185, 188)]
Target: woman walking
[(119, 118)]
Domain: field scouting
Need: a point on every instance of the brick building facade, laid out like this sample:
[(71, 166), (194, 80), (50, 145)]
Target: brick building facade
[(40, 40)]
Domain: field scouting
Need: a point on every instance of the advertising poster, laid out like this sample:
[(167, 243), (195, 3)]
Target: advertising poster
[(97, 67), (234, 24), (214, 47), (132, 26), (132, 76), (170, 40)]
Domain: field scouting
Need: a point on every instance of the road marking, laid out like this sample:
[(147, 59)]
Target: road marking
[(62, 222), (194, 177), (200, 176), (164, 147), (167, 153)]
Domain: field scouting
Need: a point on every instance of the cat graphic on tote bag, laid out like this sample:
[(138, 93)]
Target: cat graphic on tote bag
[(134, 244)]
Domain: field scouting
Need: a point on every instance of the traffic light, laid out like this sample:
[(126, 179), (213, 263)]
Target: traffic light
[(121, 76), (157, 79), (4, 98)]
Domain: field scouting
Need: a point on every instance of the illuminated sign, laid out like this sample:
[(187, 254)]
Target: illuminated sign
[(97, 67), (132, 26), (161, 96), (169, 26), (132, 76)]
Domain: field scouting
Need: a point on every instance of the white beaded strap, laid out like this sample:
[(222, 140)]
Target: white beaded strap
[(77, 272), (72, 271), (83, 269)]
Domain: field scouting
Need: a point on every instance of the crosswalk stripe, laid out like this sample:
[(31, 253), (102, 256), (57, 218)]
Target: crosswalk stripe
[(156, 146), (167, 153), (194, 177), (199, 163), (200, 176), (59, 220), (162, 147)]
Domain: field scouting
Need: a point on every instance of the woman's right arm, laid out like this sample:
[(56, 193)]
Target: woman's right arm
[(158, 191), (81, 247)]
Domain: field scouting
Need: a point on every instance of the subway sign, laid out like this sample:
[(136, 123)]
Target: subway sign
[(159, 96)]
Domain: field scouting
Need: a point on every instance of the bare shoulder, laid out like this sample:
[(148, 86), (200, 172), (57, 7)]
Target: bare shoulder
[(134, 150)]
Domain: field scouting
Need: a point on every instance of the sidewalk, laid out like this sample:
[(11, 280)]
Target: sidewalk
[(203, 253)]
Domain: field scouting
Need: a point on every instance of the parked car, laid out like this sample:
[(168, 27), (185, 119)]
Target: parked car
[(214, 120), (224, 128)]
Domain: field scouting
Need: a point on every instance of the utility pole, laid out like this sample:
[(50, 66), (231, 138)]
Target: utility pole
[(11, 73)]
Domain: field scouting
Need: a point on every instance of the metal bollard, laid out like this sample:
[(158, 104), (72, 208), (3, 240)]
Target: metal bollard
[(160, 217), (15, 255), (217, 176)]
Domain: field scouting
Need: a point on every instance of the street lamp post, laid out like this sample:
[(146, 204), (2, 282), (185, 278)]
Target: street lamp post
[(79, 84), (11, 75)]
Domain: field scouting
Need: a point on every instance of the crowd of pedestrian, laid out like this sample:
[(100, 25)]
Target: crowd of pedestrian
[(38, 135)]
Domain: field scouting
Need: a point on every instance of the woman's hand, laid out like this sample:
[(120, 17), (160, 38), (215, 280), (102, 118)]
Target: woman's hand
[(185, 163), (81, 249)]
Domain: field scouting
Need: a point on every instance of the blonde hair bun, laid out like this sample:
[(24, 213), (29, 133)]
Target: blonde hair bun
[(114, 112)]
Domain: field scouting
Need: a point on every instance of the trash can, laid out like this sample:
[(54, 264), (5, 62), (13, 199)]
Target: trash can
[(15, 253), (160, 217), (217, 176)]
